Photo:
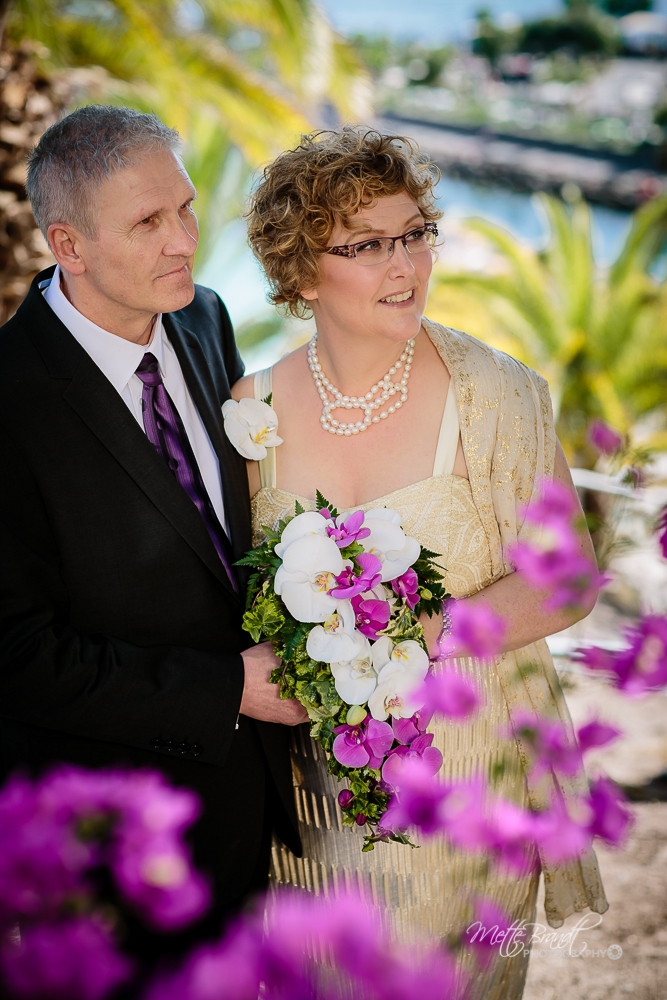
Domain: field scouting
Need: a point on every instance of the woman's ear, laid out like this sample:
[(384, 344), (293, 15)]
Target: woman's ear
[(309, 294)]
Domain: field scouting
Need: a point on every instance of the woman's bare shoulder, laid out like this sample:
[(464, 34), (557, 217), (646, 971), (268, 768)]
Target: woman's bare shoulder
[(244, 387)]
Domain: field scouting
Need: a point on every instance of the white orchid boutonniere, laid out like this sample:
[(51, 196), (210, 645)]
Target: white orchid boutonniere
[(251, 426)]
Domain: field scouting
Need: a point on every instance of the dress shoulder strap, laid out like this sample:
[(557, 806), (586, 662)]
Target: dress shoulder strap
[(267, 466), (448, 439)]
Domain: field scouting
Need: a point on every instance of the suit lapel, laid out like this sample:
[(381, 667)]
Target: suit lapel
[(94, 399), (199, 379)]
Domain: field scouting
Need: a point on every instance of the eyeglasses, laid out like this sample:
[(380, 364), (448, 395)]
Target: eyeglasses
[(380, 248)]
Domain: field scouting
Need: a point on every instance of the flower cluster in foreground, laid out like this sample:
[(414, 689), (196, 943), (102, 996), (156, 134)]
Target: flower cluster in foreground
[(55, 837)]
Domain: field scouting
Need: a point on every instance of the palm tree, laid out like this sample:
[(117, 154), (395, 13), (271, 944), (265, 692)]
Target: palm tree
[(597, 334), (239, 79)]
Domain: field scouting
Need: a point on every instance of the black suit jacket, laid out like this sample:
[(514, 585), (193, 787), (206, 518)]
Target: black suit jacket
[(120, 634)]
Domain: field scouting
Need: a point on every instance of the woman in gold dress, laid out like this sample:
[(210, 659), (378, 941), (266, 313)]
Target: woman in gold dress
[(455, 436)]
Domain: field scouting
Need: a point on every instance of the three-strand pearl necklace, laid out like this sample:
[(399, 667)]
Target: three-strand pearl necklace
[(383, 390)]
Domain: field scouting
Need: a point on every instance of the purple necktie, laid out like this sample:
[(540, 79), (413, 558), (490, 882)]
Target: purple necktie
[(165, 431)]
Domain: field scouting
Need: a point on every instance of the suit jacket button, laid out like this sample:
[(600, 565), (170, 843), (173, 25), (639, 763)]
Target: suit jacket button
[(195, 750), (156, 744), (183, 748), (169, 745)]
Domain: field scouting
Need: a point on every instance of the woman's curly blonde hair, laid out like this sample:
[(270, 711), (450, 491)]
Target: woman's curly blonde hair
[(330, 176)]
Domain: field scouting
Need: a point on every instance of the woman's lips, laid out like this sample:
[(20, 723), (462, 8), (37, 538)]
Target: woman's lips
[(404, 303)]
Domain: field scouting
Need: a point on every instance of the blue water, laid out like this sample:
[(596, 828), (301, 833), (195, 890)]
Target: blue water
[(233, 272), (433, 21)]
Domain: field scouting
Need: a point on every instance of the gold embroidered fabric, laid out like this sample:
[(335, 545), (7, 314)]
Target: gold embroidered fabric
[(508, 440)]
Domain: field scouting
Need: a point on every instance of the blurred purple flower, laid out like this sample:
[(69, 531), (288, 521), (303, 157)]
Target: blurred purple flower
[(559, 835), (604, 438), (611, 817), (450, 694), (476, 631), (512, 832), (555, 503), (640, 668), (662, 532), (407, 587), (486, 932), (419, 749), (158, 880), (406, 730), (365, 745), (72, 960), (371, 616), (548, 742), (348, 531), (419, 800), (596, 734)]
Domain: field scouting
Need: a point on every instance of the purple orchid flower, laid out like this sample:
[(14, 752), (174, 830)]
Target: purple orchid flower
[(604, 438), (371, 616), (348, 531), (365, 745), (419, 749), (407, 730), (486, 933), (406, 586), (349, 585)]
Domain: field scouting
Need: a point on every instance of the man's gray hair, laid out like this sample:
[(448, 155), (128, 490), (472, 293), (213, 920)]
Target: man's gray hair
[(79, 152)]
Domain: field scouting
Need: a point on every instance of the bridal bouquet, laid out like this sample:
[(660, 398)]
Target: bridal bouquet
[(339, 599)]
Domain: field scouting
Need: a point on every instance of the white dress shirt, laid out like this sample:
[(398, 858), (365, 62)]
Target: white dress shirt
[(118, 359)]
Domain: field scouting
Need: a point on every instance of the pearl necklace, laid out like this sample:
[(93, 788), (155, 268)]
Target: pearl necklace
[(384, 386)]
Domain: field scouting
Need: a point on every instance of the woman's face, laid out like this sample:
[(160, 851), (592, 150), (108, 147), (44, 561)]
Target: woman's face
[(362, 300)]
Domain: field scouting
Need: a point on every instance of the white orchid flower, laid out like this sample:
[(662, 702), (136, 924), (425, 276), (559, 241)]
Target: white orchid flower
[(251, 425), (400, 669), (387, 540), (308, 523), (357, 679), (396, 697), (336, 640), (307, 572)]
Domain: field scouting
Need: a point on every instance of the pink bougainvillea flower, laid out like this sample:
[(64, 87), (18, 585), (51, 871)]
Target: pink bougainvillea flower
[(407, 587), (419, 749), (596, 734), (548, 742), (349, 585), (372, 616), (604, 438), (662, 532), (450, 694), (418, 802), (365, 745), (407, 730), (559, 835), (512, 837), (487, 930), (640, 668), (611, 818), (476, 631), (74, 958), (554, 503)]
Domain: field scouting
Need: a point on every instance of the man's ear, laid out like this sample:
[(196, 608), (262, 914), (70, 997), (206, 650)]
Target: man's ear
[(66, 246)]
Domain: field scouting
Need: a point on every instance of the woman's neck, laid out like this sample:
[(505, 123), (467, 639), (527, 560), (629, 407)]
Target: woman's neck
[(353, 366)]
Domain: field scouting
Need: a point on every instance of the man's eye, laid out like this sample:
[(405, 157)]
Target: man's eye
[(147, 221)]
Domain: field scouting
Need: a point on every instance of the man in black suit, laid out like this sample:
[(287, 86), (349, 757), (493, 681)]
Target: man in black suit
[(121, 638)]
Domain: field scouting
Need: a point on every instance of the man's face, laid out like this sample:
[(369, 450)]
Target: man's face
[(141, 259)]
